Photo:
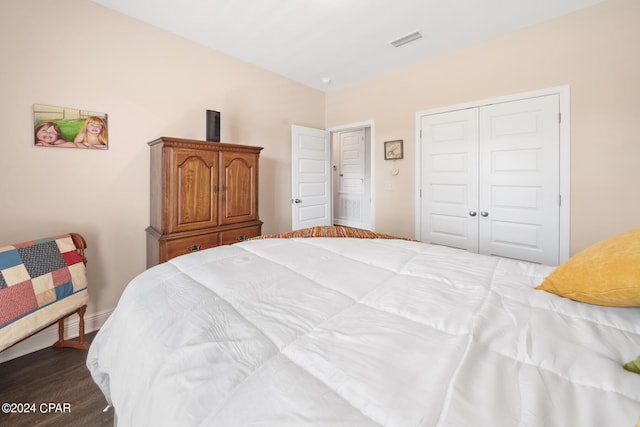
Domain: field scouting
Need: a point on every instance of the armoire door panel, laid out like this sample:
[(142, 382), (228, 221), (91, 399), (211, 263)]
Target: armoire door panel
[(239, 196), (192, 181)]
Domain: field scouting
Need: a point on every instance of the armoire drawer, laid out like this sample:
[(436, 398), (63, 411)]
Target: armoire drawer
[(190, 244), (239, 234)]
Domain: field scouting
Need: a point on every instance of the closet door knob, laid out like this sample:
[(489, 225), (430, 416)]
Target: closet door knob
[(484, 213), (472, 213)]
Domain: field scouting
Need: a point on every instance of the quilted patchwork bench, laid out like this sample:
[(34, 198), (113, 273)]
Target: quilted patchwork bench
[(42, 282)]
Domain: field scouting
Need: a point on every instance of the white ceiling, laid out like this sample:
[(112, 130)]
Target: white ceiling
[(346, 41)]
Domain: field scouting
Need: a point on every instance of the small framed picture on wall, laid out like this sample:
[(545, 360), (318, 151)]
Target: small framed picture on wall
[(393, 150), (64, 127)]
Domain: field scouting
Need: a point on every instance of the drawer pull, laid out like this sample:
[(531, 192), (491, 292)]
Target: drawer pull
[(241, 238), (193, 248)]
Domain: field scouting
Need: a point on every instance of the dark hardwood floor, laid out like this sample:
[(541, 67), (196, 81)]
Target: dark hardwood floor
[(55, 376)]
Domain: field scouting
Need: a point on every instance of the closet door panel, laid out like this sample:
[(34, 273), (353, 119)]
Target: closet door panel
[(450, 179), (519, 179)]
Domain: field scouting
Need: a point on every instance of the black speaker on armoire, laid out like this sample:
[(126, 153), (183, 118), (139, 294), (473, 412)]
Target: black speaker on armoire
[(213, 126)]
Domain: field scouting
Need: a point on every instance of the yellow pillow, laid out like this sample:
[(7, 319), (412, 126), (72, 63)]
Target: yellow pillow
[(607, 273)]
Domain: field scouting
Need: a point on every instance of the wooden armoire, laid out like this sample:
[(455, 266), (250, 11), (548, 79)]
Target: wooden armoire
[(203, 194)]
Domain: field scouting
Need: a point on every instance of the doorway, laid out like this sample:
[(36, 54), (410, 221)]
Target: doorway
[(332, 176), (351, 178)]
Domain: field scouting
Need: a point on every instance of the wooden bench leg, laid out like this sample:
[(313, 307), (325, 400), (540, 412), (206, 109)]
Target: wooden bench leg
[(81, 343)]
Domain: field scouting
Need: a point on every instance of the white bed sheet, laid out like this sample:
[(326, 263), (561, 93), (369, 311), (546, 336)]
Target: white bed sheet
[(361, 332)]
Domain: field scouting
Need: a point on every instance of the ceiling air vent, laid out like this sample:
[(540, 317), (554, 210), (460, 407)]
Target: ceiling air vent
[(406, 39)]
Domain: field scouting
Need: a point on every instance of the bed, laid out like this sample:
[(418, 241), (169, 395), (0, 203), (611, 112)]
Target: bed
[(361, 329)]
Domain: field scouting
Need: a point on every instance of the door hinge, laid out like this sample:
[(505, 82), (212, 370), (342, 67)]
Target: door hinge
[(559, 199), (559, 117)]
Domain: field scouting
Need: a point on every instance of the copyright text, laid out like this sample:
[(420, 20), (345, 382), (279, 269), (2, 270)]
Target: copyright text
[(40, 408)]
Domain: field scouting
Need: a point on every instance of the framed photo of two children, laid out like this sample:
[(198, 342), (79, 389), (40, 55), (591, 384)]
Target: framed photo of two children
[(69, 128)]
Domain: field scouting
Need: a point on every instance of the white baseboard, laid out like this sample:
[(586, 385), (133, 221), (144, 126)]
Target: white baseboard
[(47, 337)]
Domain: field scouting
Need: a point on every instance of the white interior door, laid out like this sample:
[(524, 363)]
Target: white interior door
[(311, 177), (351, 183), (450, 179), (490, 179), (520, 179)]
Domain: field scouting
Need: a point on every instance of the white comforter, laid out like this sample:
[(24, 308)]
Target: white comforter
[(360, 332)]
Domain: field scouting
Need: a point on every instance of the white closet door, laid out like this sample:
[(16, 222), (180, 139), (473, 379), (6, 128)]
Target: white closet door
[(519, 213), (450, 179)]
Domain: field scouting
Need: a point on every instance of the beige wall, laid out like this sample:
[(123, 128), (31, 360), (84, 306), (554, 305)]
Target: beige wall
[(75, 53), (595, 51)]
